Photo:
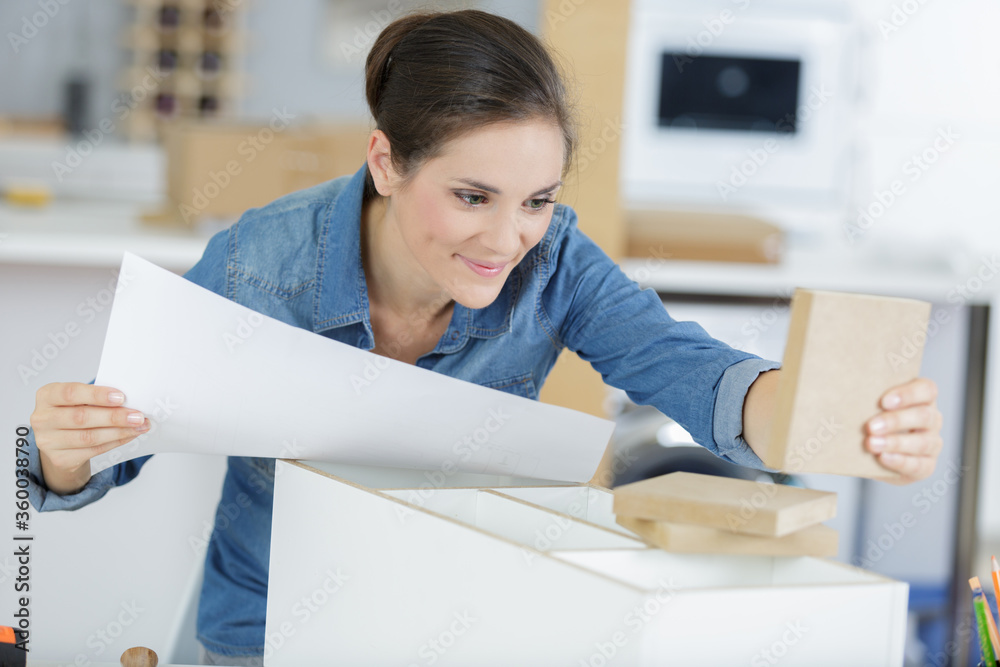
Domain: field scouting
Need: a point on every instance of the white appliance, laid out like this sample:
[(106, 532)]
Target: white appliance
[(740, 104)]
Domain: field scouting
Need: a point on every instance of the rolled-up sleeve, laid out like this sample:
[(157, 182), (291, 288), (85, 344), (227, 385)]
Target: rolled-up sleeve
[(728, 421), (628, 336), (44, 500)]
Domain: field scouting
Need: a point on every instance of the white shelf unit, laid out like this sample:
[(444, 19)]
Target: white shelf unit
[(383, 566)]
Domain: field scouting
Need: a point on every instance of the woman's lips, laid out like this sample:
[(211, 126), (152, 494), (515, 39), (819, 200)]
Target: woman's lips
[(485, 269)]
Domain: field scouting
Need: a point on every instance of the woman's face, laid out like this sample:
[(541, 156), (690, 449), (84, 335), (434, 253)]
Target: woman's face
[(469, 215)]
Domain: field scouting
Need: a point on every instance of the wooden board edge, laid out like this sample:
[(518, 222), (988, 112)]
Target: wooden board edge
[(776, 451)]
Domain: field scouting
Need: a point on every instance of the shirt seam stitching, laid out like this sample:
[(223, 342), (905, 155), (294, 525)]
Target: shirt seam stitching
[(544, 263)]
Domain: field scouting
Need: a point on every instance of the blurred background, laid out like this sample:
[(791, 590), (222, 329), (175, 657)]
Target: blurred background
[(731, 151)]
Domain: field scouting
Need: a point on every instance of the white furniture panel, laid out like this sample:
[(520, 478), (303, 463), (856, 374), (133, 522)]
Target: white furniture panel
[(502, 575)]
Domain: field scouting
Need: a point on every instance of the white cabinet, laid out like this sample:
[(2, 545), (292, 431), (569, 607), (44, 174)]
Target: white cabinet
[(384, 567)]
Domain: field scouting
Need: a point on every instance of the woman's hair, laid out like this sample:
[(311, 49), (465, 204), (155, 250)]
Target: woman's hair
[(431, 77)]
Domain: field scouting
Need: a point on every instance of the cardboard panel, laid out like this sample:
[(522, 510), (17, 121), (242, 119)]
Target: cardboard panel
[(844, 352), (735, 505), (685, 538)]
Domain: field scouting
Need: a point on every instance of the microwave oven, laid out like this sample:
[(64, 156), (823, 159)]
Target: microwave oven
[(739, 104)]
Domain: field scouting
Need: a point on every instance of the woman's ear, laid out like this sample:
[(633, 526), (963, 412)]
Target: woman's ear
[(380, 163)]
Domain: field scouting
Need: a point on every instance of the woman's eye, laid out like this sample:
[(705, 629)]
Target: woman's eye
[(472, 200), (539, 204)]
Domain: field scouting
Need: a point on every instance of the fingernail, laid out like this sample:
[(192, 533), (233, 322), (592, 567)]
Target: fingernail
[(142, 427), (877, 425), (116, 397), (876, 444), (891, 401), (892, 459), (136, 418)]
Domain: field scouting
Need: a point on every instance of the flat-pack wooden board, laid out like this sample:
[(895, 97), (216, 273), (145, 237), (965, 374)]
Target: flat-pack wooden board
[(378, 567), (686, 538), (844, 351), (734, 505)]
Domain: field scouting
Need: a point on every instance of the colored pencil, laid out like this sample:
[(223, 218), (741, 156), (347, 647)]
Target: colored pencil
[(991, 622), (996, 593), (996, 581), (982, 624)]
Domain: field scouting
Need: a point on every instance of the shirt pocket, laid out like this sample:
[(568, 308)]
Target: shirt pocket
[(519, 385)]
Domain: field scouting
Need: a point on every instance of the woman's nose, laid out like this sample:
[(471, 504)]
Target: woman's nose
[(503, 237)]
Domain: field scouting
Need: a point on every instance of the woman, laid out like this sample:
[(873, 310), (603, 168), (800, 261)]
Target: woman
[(445, 250)]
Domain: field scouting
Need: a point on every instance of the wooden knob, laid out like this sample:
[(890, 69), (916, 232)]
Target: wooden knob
[(139, 656)]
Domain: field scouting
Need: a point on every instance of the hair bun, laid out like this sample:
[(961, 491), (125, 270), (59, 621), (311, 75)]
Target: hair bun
[(431, 77), (380, 57)]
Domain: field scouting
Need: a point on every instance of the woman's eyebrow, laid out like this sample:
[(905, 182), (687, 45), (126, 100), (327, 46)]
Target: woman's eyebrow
[(482, 186), (548, 189)]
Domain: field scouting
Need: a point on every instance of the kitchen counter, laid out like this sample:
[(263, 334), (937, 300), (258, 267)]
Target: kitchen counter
[(96, 234)]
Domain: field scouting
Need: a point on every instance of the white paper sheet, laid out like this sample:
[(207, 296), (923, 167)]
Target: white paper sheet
[(216, 377)]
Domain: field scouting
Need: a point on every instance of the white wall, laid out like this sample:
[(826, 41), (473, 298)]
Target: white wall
[(938, 69)]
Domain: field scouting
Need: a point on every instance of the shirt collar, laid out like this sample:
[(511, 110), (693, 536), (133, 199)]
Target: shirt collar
[(342, 297)]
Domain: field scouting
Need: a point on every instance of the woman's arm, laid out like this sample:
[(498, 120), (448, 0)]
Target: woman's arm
[(587, 304), (626, 334), (758, 410)]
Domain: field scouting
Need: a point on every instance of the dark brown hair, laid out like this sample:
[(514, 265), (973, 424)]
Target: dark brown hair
[(430, 77)]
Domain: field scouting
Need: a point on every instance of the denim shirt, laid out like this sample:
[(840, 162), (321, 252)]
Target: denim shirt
[(298, 259)]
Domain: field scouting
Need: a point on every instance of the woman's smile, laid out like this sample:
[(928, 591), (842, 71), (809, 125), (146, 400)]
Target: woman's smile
[(485, 269)]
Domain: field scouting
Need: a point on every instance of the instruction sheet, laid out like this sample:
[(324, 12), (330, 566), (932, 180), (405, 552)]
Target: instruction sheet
[(215, 377)]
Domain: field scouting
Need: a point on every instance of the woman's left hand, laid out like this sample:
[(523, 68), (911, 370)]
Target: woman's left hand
[(906, 435)]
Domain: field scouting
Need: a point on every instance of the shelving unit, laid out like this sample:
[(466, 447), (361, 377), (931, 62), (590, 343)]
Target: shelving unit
[(184, 62), (395, 566)]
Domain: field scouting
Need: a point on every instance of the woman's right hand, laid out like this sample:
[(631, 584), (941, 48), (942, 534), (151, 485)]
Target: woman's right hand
[(74, 422)]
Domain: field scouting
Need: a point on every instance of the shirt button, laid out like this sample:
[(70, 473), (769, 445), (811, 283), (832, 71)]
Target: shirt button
[(454, 335)]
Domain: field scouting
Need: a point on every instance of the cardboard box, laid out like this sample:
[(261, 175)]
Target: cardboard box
[(712, 237), (381, 566), (219, 170)]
